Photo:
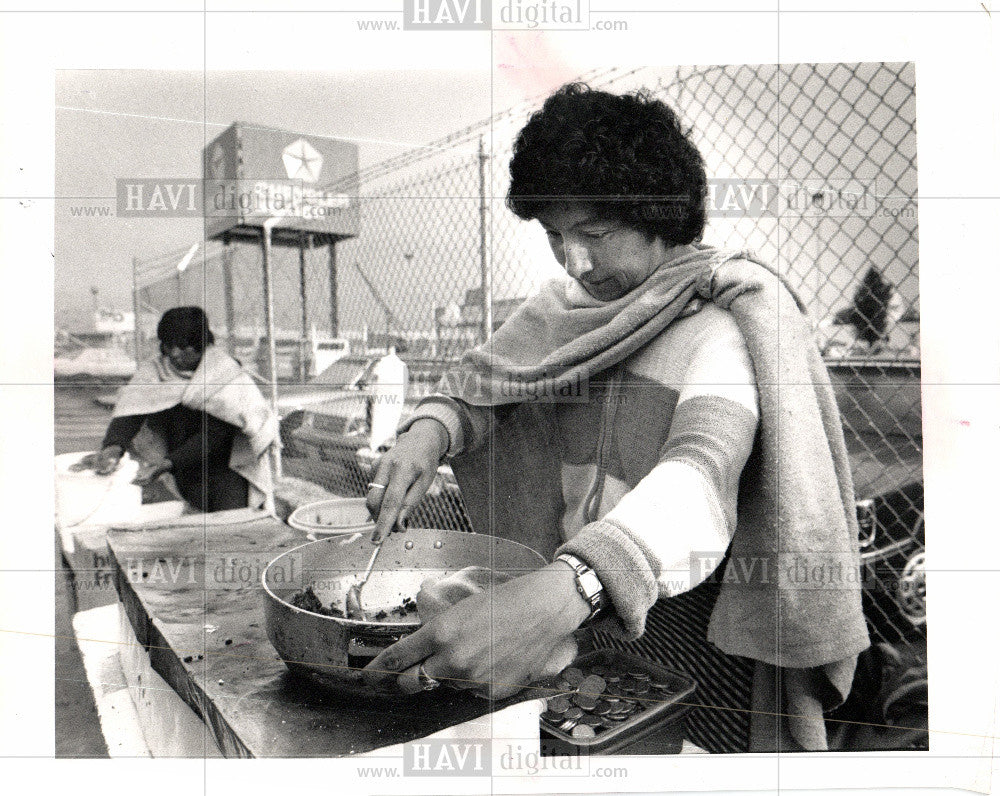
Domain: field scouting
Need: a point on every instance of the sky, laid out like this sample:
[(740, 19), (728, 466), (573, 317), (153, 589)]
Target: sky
[(145, 123)]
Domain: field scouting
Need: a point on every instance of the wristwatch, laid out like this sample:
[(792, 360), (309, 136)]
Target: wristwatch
[(587, 584)]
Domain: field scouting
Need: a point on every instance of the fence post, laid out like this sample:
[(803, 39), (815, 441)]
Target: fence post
[(227, 294), (333, 288), (484, 267), (269, 321)]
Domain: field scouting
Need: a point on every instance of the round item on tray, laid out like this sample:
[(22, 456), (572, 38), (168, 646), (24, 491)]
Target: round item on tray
[(602, 698), (559, 704), (573, 676), (592, 684)]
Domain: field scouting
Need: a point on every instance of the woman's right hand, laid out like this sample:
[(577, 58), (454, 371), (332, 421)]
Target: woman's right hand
[(103, 462), (404, 475)]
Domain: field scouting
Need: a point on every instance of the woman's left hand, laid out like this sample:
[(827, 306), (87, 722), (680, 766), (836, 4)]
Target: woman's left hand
[(494, 642), (149, 472)]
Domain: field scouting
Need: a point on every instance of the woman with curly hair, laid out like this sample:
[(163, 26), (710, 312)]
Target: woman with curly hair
[(707, 432)]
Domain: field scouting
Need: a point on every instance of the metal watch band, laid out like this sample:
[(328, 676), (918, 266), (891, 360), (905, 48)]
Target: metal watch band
[(587, 584)]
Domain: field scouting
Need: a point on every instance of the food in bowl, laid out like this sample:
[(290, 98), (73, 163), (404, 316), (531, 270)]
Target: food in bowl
[(307, 600)]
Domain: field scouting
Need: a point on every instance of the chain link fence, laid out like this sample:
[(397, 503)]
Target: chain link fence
[(439, 261)]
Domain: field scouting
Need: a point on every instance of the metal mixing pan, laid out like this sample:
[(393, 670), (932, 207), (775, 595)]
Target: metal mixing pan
[(332, 650)]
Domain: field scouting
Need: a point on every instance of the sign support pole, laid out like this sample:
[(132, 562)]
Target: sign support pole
[(272, 355), (227, 295), (304, 242)]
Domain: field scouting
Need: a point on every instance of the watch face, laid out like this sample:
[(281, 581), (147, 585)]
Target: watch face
[(590, 581)]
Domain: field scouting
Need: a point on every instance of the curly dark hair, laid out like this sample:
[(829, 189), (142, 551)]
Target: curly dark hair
[(624, 155), (184, 326)]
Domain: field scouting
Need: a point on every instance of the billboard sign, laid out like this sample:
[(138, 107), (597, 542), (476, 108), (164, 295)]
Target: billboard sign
[(308, 183)]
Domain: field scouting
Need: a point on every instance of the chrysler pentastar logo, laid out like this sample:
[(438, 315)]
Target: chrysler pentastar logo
[(302, 161)]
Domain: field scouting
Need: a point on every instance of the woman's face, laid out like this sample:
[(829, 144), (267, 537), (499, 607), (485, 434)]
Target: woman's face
[(186, 358), (605, 257)]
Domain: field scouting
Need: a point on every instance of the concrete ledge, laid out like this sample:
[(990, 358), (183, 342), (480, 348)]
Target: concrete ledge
[(96, 632)]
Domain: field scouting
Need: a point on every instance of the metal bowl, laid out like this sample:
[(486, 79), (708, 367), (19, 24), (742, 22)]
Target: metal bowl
[(332, 650), (334, 517)]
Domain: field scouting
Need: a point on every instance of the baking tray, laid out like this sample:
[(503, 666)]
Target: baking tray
[(657, 729)]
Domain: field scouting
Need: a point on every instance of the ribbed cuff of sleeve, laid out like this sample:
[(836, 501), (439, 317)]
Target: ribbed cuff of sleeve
[(444, 410), (627, 569)]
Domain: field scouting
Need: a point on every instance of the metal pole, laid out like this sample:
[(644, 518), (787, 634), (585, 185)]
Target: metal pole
[(304, 339), (272, 356), (484, 266), (333, 288), (135, 307), (227, 294)]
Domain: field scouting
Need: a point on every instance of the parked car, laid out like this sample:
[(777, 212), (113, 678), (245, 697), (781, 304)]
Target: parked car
[(321, 439), (893, 563), (102, 364), (330, 446), (346, 377), (879, 402), (290, 351), (326, 352)]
